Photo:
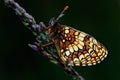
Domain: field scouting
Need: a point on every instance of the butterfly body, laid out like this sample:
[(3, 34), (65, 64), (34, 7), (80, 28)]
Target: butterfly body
[(76, 48)]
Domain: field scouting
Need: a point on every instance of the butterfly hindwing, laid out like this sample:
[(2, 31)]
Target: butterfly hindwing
[(76, 48)]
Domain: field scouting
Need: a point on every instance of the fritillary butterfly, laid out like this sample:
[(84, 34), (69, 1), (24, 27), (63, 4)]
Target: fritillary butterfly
[(74, 47)]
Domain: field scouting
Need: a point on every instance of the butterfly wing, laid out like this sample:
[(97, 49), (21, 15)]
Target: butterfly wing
[(76, 48)]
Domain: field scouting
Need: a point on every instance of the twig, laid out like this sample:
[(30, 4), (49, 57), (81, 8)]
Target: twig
[(39, 30)]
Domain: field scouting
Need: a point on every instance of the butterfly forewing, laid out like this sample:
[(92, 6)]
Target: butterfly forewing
[(76, 48)]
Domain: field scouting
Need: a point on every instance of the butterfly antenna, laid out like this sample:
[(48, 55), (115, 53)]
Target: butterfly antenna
[(62, 13)]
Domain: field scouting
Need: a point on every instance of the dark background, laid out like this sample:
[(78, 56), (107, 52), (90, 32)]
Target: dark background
[(100, 18)]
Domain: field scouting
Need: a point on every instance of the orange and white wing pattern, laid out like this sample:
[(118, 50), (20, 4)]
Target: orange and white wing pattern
[(76, 48)]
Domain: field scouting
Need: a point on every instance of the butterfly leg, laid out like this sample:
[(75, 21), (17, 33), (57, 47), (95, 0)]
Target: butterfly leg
[(48, 44), (36, 46)]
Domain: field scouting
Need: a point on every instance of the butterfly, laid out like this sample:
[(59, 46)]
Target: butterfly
[(74, 47)]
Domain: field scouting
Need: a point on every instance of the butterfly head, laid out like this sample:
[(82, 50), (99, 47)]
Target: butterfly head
[(53, 22)]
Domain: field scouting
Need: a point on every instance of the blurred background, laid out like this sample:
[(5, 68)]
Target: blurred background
[(100, 18)]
